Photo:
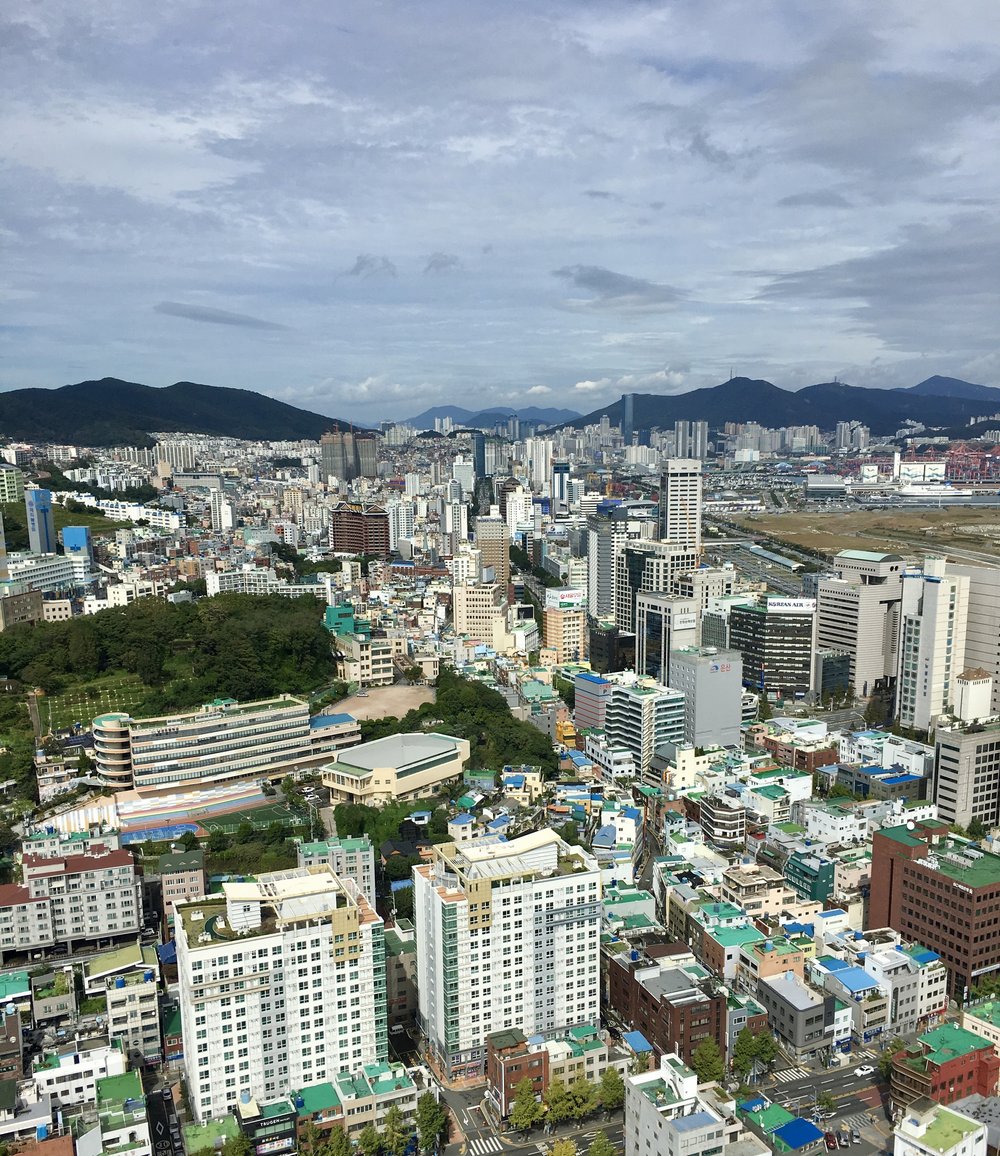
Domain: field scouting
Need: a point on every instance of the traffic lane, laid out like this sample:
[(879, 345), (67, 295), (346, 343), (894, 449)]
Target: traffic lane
[(164, 1126)]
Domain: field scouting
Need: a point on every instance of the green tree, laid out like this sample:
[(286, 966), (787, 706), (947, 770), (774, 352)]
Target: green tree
[(218, 841), (432, 1123), (612, 1089), (338, 1143), (707, 1063), (237, 1146), (370, 1142), (825, 1102), (525, 1111), (394, 1132), (766, 1049), (583, 1094), (884, 1063), (763, 707), (313, 1141), (563, 1148), (977, 828), (744, 1053), (601, 1146), (558, 1103)]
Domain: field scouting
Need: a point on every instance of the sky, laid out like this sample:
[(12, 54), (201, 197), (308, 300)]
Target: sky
[(370, 208)]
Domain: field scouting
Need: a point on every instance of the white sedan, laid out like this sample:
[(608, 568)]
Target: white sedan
[(864, 1070)]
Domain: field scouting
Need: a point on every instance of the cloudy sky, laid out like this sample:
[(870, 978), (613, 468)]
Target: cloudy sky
[(369, 208)]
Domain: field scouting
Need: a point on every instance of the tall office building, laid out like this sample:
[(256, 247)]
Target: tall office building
[(559, 486), (646, 566), (628, 417), (508, 937), (663, 622), (564, 624), (967, 772), (464, 472), (931, 642), (857, 613), (691, 439), (41, 526), (357, 528), (641, 717), (493, 541), (282, 985), (680, 503), (712, 684), (776, 637), (479, 454)]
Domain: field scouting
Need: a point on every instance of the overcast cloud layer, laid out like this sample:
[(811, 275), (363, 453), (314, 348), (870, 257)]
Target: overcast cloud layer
[(368, 208)]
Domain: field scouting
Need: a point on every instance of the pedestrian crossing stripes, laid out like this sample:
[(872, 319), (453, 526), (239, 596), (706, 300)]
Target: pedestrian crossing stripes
[(790, 1074), (859, 1120), (484, 1145)]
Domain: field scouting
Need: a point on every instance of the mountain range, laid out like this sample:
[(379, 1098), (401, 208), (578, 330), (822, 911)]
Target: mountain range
[(943, 402), (112, 412), (488, 417)]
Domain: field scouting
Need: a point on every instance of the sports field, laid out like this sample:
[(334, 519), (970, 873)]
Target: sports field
[(258, 817)]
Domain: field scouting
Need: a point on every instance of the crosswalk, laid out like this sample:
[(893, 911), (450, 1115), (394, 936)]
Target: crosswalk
[(788, 1075), (484, 1145)]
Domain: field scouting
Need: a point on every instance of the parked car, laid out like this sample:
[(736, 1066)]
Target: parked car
[(856, 1135), (831, 1141)]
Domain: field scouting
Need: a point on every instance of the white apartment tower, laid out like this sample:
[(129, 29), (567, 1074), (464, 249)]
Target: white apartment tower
[(282, 985), (680, 503), (508, 936), (931, 643), (643, 716)]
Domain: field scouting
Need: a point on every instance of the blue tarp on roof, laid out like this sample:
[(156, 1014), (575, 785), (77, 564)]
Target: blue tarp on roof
[(606, 837), (167, 952), (856, 979), (753, 1105), (798, 1134), (637, 1042)]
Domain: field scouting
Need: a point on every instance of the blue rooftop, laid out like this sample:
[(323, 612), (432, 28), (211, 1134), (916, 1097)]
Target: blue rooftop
[(799, 1134), (637, 1042), (328, 720), (588, 677), (462, 820), (856, 979), (693, 1121), (515, 781)]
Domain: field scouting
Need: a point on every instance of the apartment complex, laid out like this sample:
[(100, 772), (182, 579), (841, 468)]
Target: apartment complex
[(282, 985), (346, 858), (507, 937), (70, 899), (221, 741)]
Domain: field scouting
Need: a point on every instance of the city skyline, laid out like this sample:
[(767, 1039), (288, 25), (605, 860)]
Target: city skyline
[(377, 212)]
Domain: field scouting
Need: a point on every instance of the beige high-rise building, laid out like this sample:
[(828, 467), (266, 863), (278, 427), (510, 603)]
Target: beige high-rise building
[(493, 540), (680, 503), (475, 608), (565, 632)]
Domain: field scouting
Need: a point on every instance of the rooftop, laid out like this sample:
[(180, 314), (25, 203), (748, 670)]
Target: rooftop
[(397, 751), (946, 1129)]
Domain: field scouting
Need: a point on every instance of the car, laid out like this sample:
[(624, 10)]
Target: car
[(843, 1140), (831, 1141), (864, 1070), (166, 1093), (855, 1136)]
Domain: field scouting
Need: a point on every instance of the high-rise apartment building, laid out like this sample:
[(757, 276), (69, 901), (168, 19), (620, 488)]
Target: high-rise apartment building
[(857, 613), (41, 526), (691, 439), (402, 520), (493, 541), (220, 511), (508, 936), (931, 643), (337, 456), (282, 985), (680, 503), (11, 483), (346, 858), (982, 631), (776, 637)]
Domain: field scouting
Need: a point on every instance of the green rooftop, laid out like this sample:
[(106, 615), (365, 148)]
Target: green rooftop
[(949, 1042), (13, 985), (318, 1099), (133, 955), (947, 1130), (980, 870), (771, 1118), (202, 1137), (396, 946), (735, 936), (773, 791)]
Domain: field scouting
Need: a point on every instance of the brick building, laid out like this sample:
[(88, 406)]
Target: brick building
[(942, 892), (944, 1064), (359, 529), (669, 1000)]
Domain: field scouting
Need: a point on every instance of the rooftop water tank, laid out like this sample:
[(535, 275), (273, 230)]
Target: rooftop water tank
[(120, 981)]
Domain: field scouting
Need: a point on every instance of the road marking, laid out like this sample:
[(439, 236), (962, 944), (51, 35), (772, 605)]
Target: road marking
[(790, 1074), (483, 1145)]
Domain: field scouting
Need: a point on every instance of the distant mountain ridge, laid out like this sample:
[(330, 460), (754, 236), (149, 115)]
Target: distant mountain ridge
[(744, 399), (460, 416), (113, 412)]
